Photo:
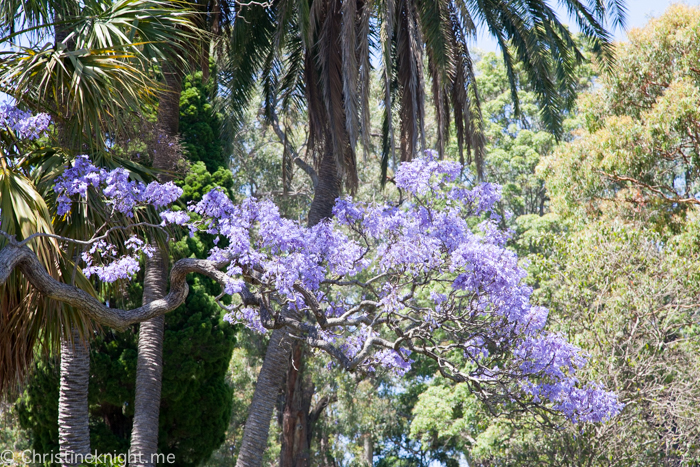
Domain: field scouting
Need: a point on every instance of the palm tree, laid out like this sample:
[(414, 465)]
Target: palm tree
[(94, 75), (212, 16), (313, 55)]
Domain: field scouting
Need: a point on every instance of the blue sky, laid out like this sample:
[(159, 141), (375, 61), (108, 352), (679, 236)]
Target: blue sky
[(638, 14)]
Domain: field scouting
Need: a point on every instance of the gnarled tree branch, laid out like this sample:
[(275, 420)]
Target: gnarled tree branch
[(21, 257)]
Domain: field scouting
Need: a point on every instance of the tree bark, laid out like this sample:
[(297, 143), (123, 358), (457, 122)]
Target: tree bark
[(73, 427), (327, 190), (296, 422), (149, 368), (267, 388), (367, 450)]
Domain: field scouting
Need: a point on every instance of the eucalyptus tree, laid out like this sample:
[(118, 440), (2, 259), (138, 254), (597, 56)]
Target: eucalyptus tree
[(314, 56), (91, 79)]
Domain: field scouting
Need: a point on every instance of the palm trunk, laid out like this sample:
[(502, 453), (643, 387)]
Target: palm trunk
[(327, 190), (276, 363), (149, 367), (73, 427), (73, 416)]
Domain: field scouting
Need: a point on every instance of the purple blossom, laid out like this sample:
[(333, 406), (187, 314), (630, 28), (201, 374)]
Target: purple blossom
[(24, 124), (479, 199), (432, 242), (590, 403), (549, 354), (249, 317), (122, 268), (115, 186), (175, 217), (346, 211), (421, 175)]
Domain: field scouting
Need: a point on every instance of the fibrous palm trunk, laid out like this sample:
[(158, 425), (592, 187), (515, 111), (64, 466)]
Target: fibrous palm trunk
[(73, 427), (149, 368), (73, 416)]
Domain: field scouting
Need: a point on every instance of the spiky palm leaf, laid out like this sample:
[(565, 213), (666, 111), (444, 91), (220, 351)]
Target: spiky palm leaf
[(26, 318), (91, 82), (103, 68)]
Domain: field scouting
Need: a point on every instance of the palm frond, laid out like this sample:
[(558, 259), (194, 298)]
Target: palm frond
[(26, 318), (363, 47)]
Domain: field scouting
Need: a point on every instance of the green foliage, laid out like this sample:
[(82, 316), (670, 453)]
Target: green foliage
[(637, 156), (200, 124), (448, 417), (200, 181), (617, 262), (632, 304), (515, 143), (38, 406)]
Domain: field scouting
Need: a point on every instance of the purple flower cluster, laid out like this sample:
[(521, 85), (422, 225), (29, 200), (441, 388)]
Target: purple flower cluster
[(25, 125), (115, 186), (248, 316), (426, 174), (587, 403), (119, 267), (386, 279), (287, 251)]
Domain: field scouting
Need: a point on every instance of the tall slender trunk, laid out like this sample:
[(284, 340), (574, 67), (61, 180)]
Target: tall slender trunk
[(276, 363), (73, 427), (267, 388), (149, 367), (367, 450), (73, 415)]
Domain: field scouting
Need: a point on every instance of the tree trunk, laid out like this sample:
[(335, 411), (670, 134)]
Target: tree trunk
[(267, 388), (327, 459), (168, 116), (367, 450), (296, 423), (73, 427), (73, 416), (149, 368), (276, 363), (327, 190)]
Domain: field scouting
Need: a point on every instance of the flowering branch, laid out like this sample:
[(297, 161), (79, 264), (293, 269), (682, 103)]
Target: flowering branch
[(372, 287), (92, 240)]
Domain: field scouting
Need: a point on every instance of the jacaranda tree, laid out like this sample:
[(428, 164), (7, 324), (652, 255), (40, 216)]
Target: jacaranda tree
[(427, 274)]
